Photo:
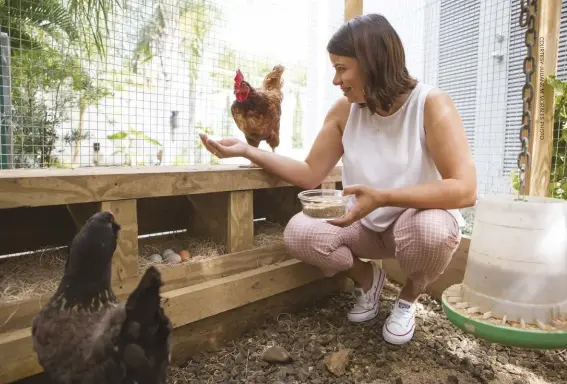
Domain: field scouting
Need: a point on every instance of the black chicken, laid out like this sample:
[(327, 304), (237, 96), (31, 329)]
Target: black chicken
[(84, 335)]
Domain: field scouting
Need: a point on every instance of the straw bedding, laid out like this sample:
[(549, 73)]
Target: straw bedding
[(38, 274)]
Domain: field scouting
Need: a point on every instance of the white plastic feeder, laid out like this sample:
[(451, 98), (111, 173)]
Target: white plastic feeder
[(516, 272)]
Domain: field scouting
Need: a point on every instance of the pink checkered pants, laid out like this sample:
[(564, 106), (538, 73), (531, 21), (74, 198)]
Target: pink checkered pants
[(423, 242)]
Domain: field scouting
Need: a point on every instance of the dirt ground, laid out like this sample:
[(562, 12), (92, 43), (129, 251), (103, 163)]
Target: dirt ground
[(318, 345)]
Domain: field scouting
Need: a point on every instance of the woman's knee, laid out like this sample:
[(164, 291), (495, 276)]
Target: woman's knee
[(426, 241), (316, 242)]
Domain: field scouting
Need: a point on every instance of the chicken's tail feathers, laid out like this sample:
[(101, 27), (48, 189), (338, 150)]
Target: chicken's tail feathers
[(146, 331), (273, 80)]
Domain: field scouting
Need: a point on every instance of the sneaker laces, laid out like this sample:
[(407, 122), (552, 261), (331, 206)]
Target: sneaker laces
[(402, 314), (363, 299)]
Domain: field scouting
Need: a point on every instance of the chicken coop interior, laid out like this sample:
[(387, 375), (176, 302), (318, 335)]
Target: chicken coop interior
[(102, 103)]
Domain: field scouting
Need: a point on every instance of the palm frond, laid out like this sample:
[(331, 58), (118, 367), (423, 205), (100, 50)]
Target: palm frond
[(150, 33), (47, 15), (93, 16)]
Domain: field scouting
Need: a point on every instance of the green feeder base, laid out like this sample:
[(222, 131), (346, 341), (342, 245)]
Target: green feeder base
[(504, 334)]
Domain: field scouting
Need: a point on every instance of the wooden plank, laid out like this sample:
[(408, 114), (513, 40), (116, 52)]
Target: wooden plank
[(18, 357), (221, 295), (454, 273), (189, 274), (240, 221), (183, 306), (224, 217), (353, 8), (545, 51), (19, 315), (23, 188), (125, 259)]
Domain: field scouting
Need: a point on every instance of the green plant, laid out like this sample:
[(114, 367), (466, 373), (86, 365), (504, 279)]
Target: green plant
[(124, 141), (558, 178)]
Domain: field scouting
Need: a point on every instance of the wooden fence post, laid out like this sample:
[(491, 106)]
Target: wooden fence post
[(353, 8), (545, 53)]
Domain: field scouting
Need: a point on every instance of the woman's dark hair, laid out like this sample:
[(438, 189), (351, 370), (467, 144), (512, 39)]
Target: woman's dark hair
[(372, 40)]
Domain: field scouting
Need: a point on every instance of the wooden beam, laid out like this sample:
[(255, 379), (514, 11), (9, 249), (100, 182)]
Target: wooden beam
[(189, 304), (183, 306), (32, 188), (240, 221), (18, 357), (353, 8), (189, 274), (545, 53), (454, 273), (225, 217), (125, 259), (19, 315)]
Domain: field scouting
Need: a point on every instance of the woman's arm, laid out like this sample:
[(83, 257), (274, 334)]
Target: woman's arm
[(323, 156), (450, 151)]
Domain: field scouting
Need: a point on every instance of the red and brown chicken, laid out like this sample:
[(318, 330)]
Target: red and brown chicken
[(257, 111)]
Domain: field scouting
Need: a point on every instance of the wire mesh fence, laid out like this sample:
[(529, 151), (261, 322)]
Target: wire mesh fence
[(134, 88)]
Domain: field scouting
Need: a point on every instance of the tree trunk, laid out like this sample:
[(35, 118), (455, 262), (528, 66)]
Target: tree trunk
[(77, 145)]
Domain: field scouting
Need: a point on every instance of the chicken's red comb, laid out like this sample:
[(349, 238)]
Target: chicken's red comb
[(238, 78)]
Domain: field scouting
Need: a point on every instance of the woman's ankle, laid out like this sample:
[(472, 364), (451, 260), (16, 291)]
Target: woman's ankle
[(362, 274)]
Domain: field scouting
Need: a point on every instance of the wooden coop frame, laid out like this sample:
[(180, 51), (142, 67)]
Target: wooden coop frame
[(209, 301), (215, 300)]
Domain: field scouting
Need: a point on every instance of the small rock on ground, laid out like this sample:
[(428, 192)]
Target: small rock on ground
[(277, 355), (336, 362)]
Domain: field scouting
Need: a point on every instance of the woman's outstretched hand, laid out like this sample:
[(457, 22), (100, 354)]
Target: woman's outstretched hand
[(367, 199), (229, 147)]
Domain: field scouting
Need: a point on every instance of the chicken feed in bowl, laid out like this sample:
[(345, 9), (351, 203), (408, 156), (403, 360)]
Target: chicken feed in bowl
[(323, 204)]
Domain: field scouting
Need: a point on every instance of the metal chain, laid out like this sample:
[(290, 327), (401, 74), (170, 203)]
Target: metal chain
[(527, 19)]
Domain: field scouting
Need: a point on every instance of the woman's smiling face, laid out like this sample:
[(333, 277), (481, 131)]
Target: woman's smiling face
[(348, 77)]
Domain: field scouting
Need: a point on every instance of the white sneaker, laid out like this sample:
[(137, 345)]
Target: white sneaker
[(400, 325), (368, 303)]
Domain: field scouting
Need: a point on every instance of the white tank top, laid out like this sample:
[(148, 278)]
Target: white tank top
[(389, 152)]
